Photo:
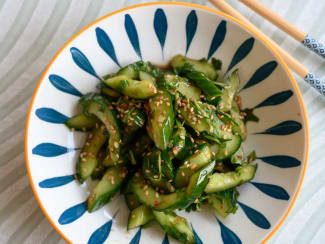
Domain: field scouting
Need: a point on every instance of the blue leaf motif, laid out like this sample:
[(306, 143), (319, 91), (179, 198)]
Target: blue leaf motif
[(191, 26), (276, 99), (106, 44), (63, 85), (218, 38), (165, 241), (272, 190), (82, 61), (50, 150), (243, 50), (132, 34), (227, 235), (281, 161), (101, 234), (136, 238), (261, 74), (256, 217), (284, 128), (160, 25), (197, 238), (56, 181), (51, 115), (72, 214)]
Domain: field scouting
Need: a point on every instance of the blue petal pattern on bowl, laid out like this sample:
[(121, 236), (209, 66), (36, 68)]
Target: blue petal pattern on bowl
[(227, 235), (190, 28), (136, 238), (63, 85), (56, 181), (197, 238), (165, 241), (106, 44), (275, 99), (160, 24), (256, 217), (131, 30), (274, 191), (47, 149), (72, 214), (51, 115), (218, 38), (282, 129), (82, 61), (281, 161), (261, 74), (101, 234), (241, 53)]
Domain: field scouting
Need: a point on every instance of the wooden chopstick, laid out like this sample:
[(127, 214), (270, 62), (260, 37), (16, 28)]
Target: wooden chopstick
[(286, 26), (294, 64)]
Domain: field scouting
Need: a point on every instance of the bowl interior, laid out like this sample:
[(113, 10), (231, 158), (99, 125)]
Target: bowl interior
[(157, 33)]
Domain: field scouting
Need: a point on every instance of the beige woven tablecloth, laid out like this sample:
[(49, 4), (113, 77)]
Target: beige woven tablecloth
[(32, 31)]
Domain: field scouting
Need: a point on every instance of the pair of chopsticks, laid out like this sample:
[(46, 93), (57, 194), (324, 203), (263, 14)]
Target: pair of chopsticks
[(290, 29)]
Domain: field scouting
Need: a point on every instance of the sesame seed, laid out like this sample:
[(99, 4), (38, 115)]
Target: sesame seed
[(83, 129), (145, 187), (116, 145), (156, 176), (146, 193), (147, 171), (133, 215), (196, 201), (90, 136), (170, 181), (193, 166), (157, 195), (183, 174), (97, 125), (83, 160), (182, 137)]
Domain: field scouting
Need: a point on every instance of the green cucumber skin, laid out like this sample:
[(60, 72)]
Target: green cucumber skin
[(139, 216), (173, 224), (95, 202), (198, 182), (224, 202), (227, 149), (224, 181), (229, 92), (81, 122), (132, 88), (195, 162), (161, 119), (179, 61), (99, 106), (86, 165)]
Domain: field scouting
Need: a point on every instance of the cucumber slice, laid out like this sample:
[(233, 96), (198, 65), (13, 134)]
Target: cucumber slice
[(238, 157), (229, 92), (198, 182), (225, 149), (177, 142), (239, 128), (186, 150), (161, 119), (88, 160), (224, 202), (167, 167), (175, 226), (132, 88), (100, 107), (199, 159), (106, 188), (131, 201), (189, 90), (162, 202), (139, 216), (81, 122), (203, 66), (224, 181), (202, 118), (146, 76)]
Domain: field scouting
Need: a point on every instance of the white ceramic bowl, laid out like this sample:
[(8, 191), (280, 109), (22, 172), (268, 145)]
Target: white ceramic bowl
[(157, 32)]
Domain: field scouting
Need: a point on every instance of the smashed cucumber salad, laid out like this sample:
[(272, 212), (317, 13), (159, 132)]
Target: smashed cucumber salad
[(167, 139)]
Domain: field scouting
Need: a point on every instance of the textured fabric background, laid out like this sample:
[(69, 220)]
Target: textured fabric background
[(32, 31)]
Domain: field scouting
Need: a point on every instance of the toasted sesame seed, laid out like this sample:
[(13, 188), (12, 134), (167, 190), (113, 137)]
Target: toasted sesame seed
[(90, 136), (193, 166), (156, 176), (183, 174), (147, 171), (157, 195), (182, 137), (196, 201), (146, 193), (170, 181), (83, 129)]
